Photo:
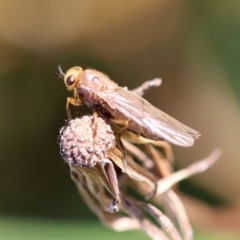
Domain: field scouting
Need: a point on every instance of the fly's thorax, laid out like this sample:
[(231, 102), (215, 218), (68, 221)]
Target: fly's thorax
[(91, 83), (96, 81)]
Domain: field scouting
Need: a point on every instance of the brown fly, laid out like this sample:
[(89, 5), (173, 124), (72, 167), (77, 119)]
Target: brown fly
[(123, 107)]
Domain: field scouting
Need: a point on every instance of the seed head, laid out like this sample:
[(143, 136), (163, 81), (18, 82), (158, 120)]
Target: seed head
[(84, 142)]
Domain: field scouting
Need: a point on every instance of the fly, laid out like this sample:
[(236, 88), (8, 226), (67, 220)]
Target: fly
[(124, 107)]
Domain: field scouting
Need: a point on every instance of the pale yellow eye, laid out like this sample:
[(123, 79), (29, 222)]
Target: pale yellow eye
[(70, 80)]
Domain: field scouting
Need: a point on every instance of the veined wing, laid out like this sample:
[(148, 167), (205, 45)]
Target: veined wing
[(145, 119)]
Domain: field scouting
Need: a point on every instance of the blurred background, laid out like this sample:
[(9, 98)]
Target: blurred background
[(194, 46)]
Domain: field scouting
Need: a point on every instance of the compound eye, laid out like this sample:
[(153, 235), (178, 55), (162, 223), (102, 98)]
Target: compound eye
[(70, 80)]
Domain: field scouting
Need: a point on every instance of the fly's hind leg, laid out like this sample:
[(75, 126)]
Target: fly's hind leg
[(122, 123), (165, 146), (161, 160), (119, 133)]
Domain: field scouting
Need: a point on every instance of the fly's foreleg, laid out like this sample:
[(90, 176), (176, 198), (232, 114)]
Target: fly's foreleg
[(74, 102)]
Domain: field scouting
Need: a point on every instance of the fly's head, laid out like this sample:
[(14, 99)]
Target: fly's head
[(71, 77), (85, 82)]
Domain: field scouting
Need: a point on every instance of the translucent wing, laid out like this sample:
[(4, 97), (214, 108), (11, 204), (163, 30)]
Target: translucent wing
[(145, 119)]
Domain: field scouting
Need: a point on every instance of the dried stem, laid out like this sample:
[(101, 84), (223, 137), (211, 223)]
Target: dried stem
[(195, 168)]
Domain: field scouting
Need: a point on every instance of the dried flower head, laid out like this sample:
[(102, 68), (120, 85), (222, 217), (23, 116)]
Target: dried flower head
[(103, 173), (86, 141)]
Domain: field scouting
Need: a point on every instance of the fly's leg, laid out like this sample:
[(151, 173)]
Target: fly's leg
[(134, 171), (165, 146), (141, 156), (94, 130), (166, 149), (74, 102), (76, 111), (94, 124), (146, 85), (124, 125), (76, 107), (161, 164)]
